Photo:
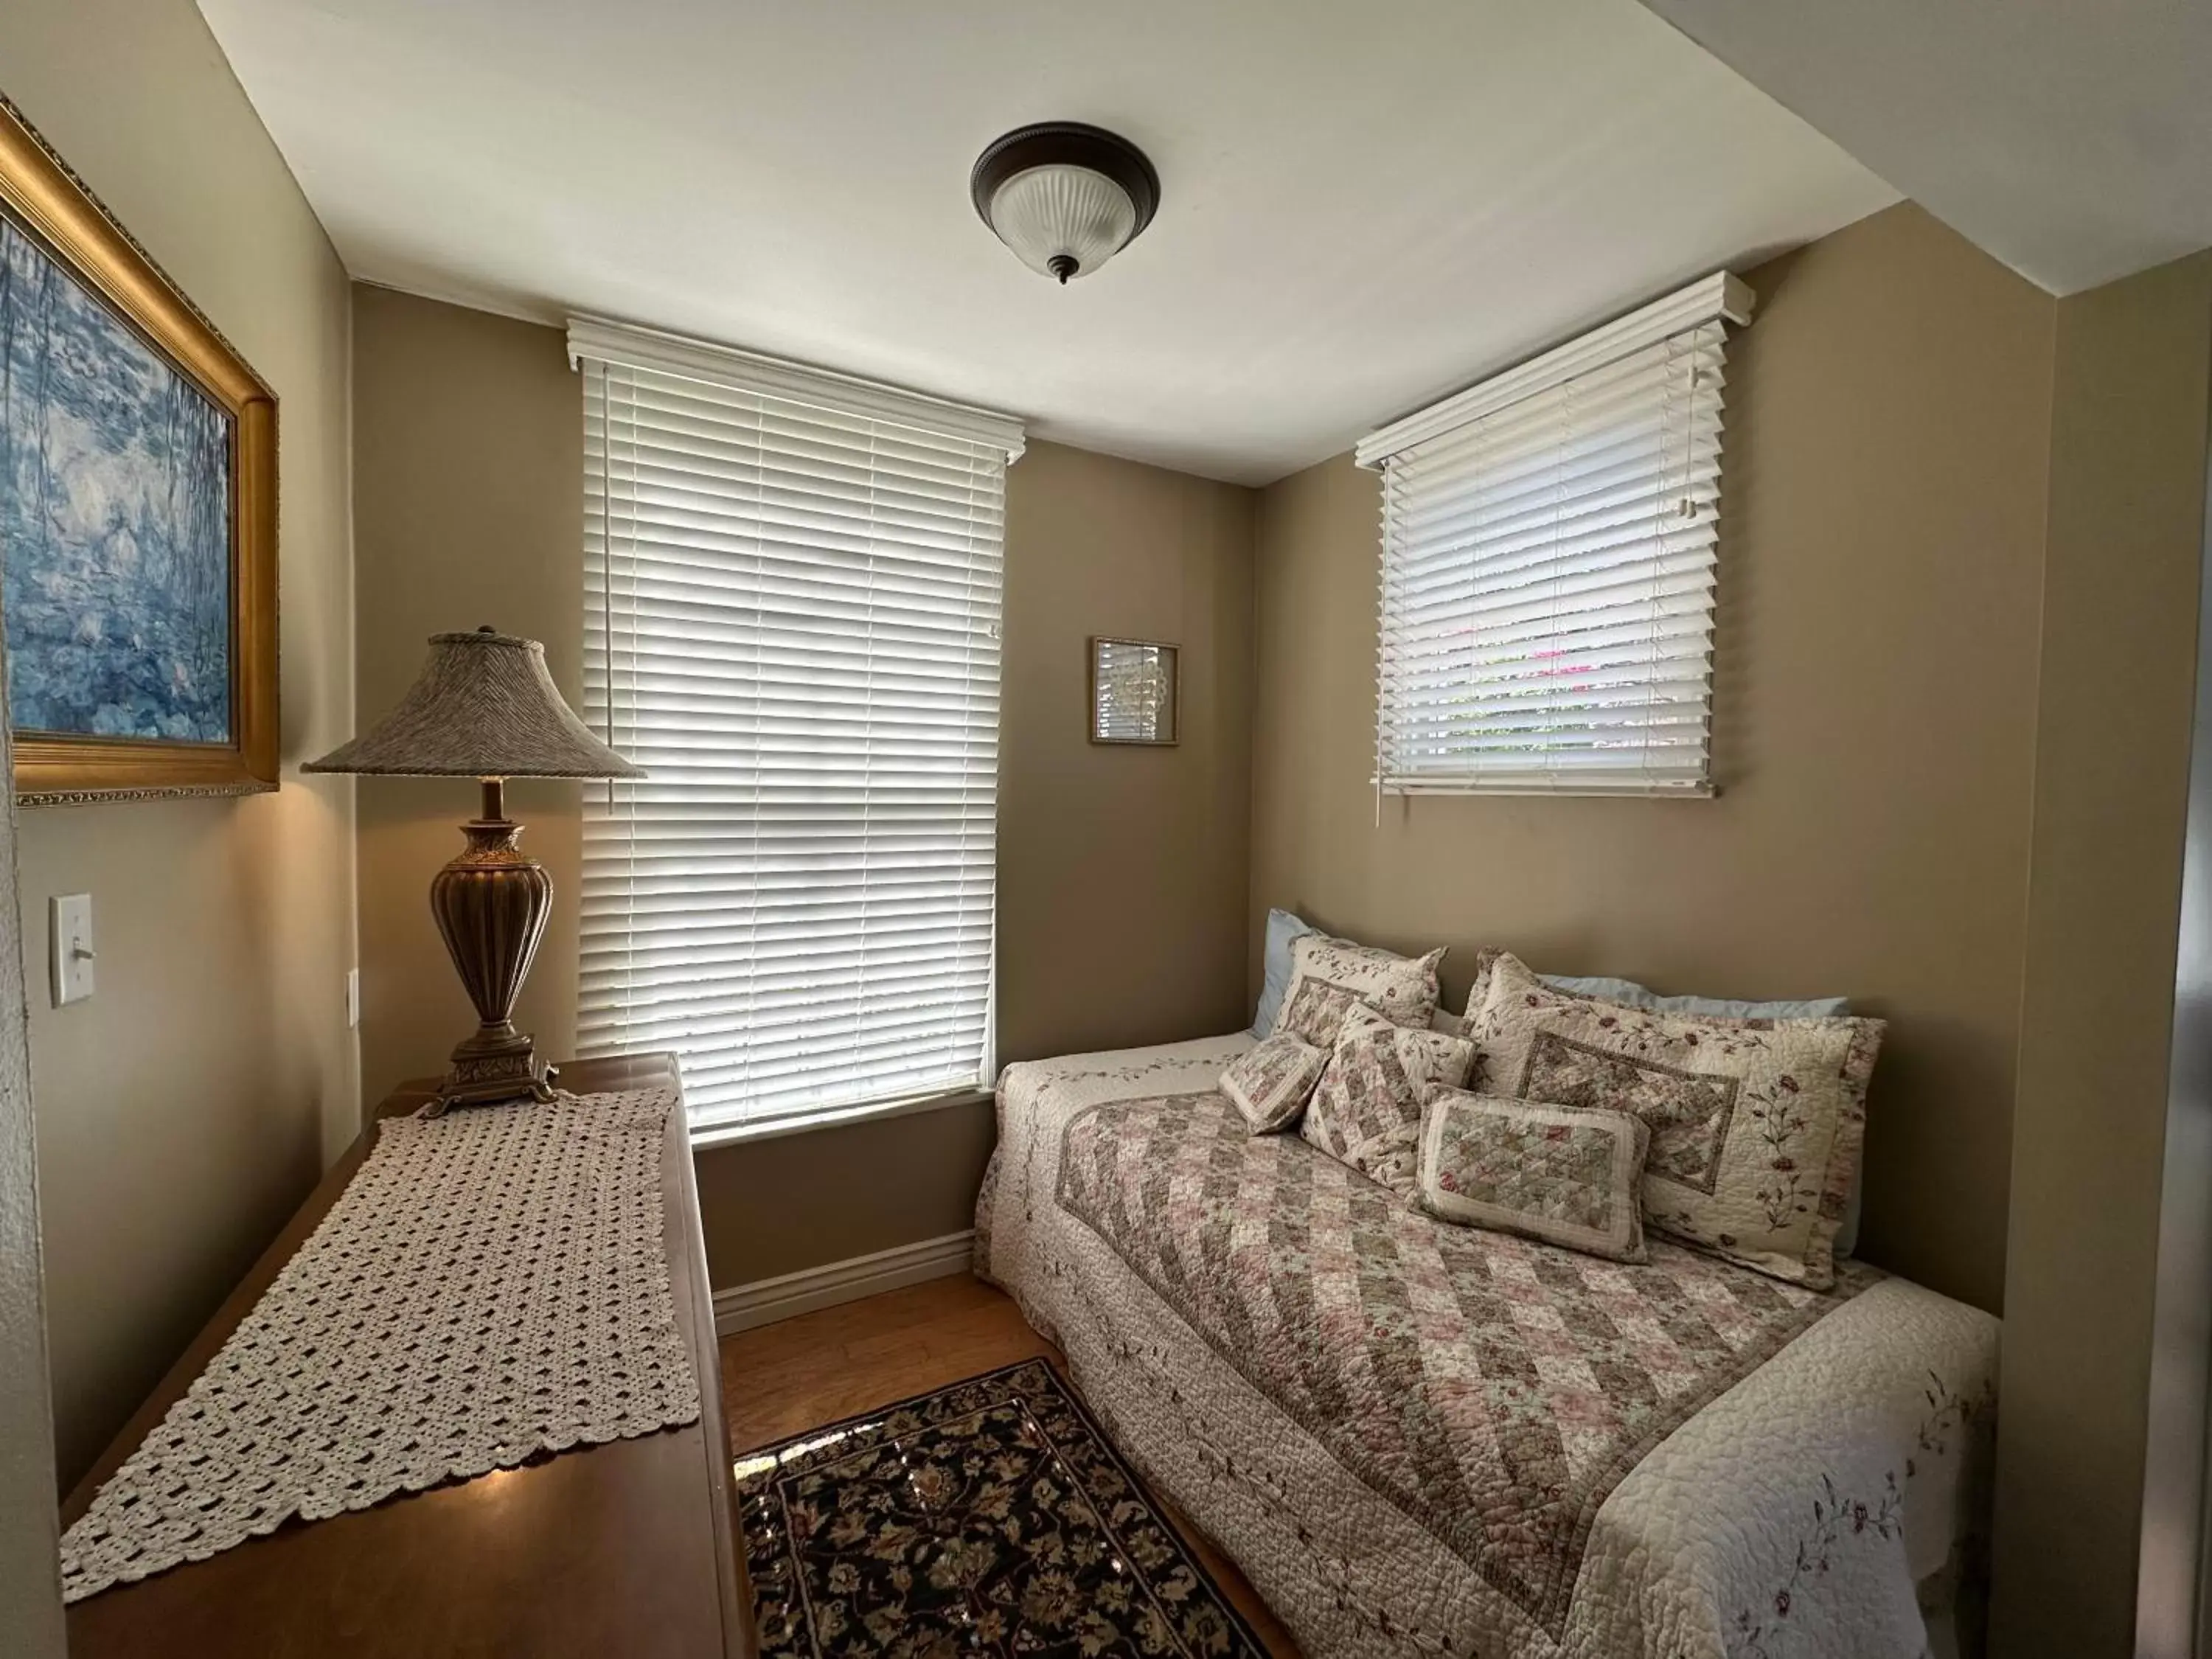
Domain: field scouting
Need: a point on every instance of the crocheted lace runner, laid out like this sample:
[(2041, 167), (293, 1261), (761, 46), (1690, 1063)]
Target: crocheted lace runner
[(490, 1285)]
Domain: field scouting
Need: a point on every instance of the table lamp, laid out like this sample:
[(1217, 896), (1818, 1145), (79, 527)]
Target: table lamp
[(486, 707)]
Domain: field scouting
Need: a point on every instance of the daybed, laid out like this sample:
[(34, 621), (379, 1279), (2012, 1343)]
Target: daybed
[(1419, 1438)]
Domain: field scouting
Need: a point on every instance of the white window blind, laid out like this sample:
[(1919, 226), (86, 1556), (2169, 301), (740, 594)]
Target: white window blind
[(1547, 594), (792, 621)]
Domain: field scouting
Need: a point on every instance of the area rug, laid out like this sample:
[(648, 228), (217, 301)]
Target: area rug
[(990, 1518)]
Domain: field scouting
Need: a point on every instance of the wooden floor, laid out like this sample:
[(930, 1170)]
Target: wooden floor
[(798, 1374)]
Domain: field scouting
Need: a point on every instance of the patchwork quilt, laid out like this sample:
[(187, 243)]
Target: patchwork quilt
[(1418, 1438)]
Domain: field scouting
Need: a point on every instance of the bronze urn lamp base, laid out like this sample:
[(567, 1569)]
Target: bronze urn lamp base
[(491, 902), (486, 707)]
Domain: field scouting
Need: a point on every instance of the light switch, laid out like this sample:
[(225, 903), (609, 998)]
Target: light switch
[(72, 941)]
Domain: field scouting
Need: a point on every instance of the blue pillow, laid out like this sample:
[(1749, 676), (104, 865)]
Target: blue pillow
[(1630, 994), (1282, 929)]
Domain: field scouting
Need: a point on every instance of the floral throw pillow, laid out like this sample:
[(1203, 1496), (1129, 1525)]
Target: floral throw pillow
[(1755, 1124), (1560, 1173), (1366, 1111), (1270, 1081), (1329, 977)]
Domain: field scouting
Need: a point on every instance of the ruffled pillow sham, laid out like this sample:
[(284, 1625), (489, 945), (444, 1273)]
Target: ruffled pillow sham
[(1628, 994), (1330, 977), (1755, 1124)]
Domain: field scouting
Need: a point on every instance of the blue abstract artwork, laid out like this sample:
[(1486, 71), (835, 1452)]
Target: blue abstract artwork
[(115, 520)]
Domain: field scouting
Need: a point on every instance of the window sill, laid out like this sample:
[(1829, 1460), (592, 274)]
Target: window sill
[(1619, 792), (731, 1134)]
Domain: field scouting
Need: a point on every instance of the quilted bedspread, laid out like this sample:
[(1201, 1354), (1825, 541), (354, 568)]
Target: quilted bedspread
[(1421, 1438)]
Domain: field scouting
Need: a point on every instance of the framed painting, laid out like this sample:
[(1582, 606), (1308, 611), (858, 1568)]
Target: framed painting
[(137, 511), (1136, 691)]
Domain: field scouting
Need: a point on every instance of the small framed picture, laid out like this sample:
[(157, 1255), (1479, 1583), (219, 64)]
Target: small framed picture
[(1135, 691)]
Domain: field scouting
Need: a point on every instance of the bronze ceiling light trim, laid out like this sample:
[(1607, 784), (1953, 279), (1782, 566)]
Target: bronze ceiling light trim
[(1065, 197)]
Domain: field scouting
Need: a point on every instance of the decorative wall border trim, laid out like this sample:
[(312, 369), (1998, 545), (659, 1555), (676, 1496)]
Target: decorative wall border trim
[(742, 1307)]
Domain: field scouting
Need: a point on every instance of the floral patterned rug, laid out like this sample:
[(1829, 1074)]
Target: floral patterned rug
[(990, 1518)]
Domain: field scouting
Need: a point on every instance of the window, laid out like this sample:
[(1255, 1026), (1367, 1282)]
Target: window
[(792, 621), (1548, 566)]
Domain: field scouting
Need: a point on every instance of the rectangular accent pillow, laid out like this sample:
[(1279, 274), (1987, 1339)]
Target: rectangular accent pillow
[(1366, 1110), (1283, 928), (1330, 976), (1268, 1084), (1756, 1124), (1560, 1174)]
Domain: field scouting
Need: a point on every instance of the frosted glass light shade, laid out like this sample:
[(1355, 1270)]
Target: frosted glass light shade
[(1063, 213), (1065, 198)]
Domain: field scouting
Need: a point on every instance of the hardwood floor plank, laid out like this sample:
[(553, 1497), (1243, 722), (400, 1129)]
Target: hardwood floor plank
[(780, 1380)]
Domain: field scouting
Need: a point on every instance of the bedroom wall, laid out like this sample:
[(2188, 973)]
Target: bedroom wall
[(468, 504), (468, 509), (1876, 651), (184, 1111), (2133, 362)]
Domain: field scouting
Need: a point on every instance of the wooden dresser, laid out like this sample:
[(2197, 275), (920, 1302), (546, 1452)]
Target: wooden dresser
[(628, 1548)]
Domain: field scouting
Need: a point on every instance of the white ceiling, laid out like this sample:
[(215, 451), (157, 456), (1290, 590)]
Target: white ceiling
[(1363, 205), (2071, 139)]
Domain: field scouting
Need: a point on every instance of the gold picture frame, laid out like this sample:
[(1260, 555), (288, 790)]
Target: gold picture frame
[(1136, 692), (51, 209)]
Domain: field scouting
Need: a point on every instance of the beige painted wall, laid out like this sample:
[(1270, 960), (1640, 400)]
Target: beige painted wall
[(468, 509), (183, 1112), (1122, 871), (468, 504), (1874, 719), (2113, 719)]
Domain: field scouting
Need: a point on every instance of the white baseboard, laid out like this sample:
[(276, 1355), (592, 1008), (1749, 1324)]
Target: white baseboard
[(763, 1302)]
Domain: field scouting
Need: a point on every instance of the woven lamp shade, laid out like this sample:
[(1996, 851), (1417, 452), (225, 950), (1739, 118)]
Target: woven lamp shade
[(485, 707)]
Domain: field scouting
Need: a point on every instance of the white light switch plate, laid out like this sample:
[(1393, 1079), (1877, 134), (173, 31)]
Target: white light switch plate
[(353, 996), (72, 948)]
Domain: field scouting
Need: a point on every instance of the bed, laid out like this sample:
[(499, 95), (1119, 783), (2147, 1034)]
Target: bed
[(1416, 1439)]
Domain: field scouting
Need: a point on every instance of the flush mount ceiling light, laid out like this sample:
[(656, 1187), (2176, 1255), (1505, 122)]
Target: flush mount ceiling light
[(1066, 198)]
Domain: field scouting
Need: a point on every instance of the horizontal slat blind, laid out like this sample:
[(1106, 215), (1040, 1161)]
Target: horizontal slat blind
[(1547, 585), (793, 623)]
